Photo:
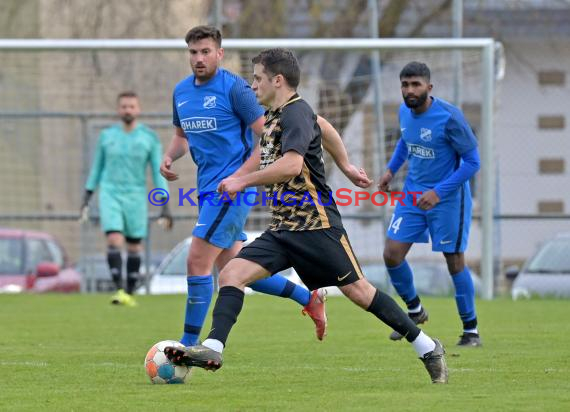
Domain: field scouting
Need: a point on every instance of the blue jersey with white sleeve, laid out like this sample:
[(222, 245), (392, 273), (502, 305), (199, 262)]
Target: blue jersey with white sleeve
[(215, 117), (435, 141)]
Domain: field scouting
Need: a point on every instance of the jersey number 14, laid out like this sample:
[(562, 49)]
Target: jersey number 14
[(395, 224)]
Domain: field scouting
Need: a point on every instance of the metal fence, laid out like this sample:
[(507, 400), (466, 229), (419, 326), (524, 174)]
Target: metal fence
[(51, 115)]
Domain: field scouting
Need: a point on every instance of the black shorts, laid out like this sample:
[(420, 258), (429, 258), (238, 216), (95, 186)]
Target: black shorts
[(321, 257)]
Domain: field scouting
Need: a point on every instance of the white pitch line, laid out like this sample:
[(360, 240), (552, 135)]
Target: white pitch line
[(17, 363)]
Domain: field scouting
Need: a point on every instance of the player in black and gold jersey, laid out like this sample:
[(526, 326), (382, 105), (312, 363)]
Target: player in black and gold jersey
[(306, 230)]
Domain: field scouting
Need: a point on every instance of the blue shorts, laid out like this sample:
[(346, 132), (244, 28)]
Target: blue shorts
[(221, 223), (447, 223)]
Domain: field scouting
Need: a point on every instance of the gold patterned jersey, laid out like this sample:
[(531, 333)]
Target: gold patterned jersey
[(304, 202)]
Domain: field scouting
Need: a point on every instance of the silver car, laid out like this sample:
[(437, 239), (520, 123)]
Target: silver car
[(170, 276), (547, 273), (431, 277)]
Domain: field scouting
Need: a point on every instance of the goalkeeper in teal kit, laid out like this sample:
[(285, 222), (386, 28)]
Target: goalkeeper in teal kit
[(119, 169)]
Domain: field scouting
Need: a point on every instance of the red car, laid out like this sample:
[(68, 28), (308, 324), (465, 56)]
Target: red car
[(35, 262)]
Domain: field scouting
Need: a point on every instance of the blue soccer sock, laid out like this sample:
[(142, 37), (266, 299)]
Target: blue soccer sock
[(277, 285), (200, 290), (403, 280), (465, 299)]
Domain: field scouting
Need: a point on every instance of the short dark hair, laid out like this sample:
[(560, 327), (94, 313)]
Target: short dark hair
[(415, 69), (127, 93), (203, 32), (280, 61)]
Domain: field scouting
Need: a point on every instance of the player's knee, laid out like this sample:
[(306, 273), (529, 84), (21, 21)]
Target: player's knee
[(199, 265), (115, 239), (392, 257), (231, 277), (455, 268), (455, 262), (360, 292)]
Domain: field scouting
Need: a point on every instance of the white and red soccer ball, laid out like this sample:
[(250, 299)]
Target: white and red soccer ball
[(159, 369)]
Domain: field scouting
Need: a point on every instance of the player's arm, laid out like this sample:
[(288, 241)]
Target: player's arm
[(461, 138), (93, 179), (177, 148), (469, 166), (283, 169), (464, 172), (333, 144), (252, 162)]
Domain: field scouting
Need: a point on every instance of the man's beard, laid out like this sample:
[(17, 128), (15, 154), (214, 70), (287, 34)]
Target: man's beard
[(421, 99), (128, 119), (205, 76)]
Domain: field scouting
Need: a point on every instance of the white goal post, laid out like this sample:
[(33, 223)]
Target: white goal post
[(486, 46)]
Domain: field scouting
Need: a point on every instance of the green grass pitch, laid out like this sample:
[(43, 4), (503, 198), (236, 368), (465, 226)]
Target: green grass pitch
[(80, 353)]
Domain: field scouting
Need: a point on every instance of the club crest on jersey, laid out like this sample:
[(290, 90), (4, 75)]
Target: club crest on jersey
[(425, 134), (209, 102)]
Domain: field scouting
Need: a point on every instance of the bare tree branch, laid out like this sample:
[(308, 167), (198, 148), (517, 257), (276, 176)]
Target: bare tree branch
[(263, 19), (422, 22), (345, 21), (391, 17)]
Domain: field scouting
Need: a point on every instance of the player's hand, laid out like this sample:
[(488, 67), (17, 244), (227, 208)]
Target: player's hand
[(231, 185), (83, 214), (165, 169), (428, 200), (357, 176), (384, 183), (165, 219)]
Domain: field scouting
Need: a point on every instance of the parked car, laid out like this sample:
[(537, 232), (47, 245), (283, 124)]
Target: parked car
[(36, 262), (431, 278), (545, 274)]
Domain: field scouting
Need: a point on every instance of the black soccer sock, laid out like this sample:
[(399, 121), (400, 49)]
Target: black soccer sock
[(414, 303), (388, 311), (226, 311), (133, 267), (115, 262), (470, 324)]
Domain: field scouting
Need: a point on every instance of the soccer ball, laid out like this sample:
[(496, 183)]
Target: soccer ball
[(159, 369)]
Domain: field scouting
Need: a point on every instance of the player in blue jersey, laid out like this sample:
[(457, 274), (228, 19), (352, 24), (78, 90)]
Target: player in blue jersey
[(119, 169), (212, 112), (442, 156)]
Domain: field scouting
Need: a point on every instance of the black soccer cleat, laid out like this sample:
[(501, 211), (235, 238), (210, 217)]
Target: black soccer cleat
[(469, 339), (199, 356), (418, 318), (434, 362)]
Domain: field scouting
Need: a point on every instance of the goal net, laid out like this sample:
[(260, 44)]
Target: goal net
[(56, 97)]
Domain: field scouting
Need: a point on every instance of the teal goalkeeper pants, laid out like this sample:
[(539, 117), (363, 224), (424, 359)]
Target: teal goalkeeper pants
[(124, 212)]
